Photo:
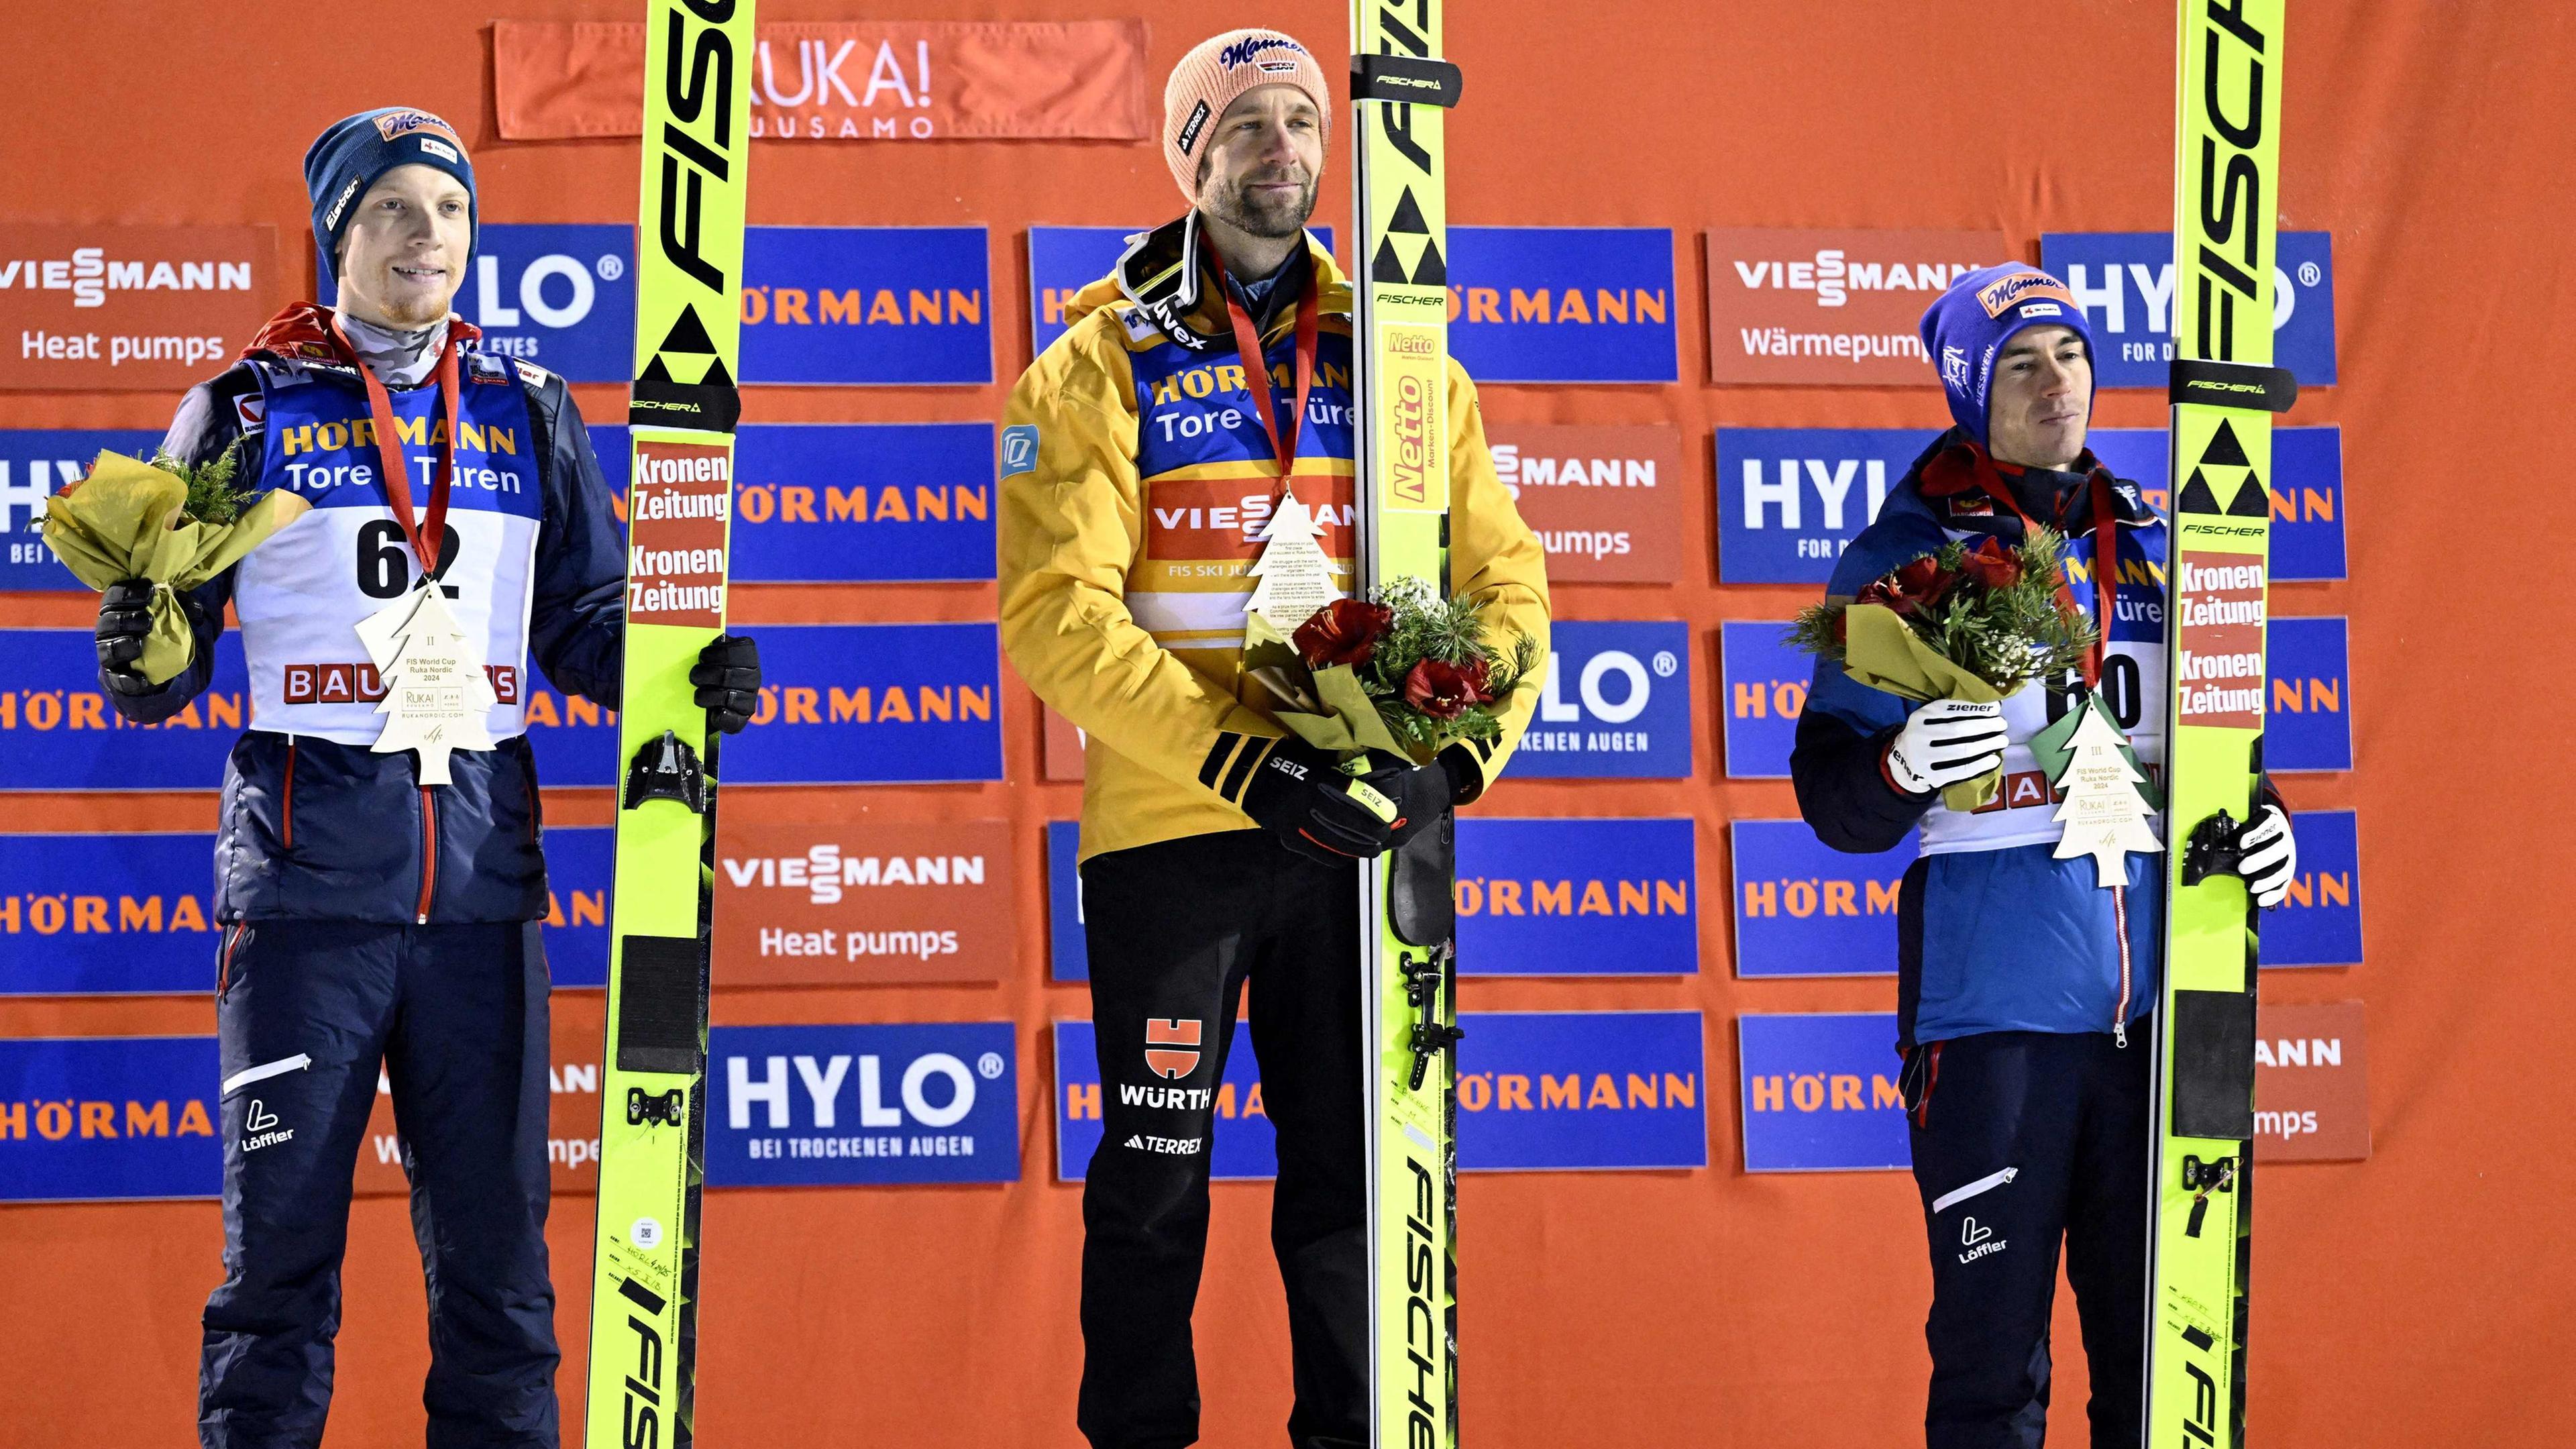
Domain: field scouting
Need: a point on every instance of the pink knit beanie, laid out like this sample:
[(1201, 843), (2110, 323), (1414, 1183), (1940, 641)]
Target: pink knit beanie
[(1214, 75)]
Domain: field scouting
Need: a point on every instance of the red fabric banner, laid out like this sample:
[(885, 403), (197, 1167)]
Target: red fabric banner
[(846, 80)]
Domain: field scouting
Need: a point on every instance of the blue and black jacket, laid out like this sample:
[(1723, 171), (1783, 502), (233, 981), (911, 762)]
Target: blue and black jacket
[(315, 828)]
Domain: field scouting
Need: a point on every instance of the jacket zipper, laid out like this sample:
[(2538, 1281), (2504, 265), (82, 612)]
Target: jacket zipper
[(1987, 1183), (287, 797), (2120, 922), (428, 853)]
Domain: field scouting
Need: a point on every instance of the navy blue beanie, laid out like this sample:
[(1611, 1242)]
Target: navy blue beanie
[(348, 158), (1967, 328)]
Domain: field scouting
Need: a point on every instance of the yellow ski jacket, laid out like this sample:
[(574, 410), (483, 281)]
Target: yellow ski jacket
[(1136, 481)]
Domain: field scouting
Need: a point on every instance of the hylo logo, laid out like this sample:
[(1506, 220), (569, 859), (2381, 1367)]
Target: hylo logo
[(1163, 1037)]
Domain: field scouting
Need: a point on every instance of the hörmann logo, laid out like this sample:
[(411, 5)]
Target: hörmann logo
[(2232, 204)]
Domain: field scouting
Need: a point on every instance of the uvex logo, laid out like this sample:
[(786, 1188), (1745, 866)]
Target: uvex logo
[(2232, 204), (1165, 1040)]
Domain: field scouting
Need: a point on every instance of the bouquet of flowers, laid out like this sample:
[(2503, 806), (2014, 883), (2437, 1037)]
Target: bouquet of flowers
[(1404, 671), (1964, 623), (176, 525)]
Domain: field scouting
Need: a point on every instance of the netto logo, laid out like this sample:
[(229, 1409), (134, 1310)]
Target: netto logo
[(1245, 50), (2232, 204)]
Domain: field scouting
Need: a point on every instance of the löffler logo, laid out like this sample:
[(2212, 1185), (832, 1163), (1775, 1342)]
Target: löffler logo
[(1163, 1039)]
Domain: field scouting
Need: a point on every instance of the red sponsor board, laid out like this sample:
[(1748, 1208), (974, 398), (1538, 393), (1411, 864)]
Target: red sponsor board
[(862, 904), (1605, 500), (1060, 751), (129, 308), (2311, 1084), (578, 1023), (846, 80), (676, 514), (2219, 616), (1200, 519), (1837, 307)]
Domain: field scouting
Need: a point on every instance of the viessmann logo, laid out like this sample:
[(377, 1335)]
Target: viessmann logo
[(1832, 275), (89, 274), (825, 873)]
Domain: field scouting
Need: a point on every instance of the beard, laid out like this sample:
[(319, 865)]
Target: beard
[(1271, 219)]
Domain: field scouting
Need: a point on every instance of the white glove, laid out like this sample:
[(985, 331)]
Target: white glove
[(2271, 856), (1944, 742)]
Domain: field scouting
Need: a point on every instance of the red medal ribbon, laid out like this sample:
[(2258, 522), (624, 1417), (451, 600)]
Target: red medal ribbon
[(427, 534), (1256, 364)]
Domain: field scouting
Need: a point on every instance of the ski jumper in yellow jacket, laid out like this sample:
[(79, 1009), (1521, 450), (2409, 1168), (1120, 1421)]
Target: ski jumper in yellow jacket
[(1136, 481)]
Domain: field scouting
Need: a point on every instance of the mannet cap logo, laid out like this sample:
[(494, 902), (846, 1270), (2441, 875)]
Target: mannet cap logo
[(2012, 290), (1250, 49), (394, 125)]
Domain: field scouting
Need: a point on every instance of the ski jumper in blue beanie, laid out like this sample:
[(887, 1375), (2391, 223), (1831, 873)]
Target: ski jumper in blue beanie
[(347, 158), (1967, 328)]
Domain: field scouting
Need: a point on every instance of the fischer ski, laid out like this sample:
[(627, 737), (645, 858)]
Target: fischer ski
[(2224, 391), (681, 412), (1400, 90)]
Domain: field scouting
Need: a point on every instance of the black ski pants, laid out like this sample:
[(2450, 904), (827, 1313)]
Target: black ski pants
[(1175, 930), (455, 1015), (2021, 1138)]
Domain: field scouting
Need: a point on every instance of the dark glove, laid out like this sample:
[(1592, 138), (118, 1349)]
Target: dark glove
[(1300, 794), (1420, 792), (728, 679), (124, 621)]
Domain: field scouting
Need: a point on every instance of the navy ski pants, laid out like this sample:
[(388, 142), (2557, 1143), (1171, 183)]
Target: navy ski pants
[(1175, 930), (307, 1012), (2021, 1138)]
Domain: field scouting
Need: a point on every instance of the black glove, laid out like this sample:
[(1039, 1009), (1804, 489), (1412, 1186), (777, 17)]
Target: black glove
[(1300, 794), (1420, 792), (124, 621), (728, 679)]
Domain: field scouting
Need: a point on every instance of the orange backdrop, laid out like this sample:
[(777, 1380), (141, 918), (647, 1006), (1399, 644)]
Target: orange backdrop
[(2428, 1286)]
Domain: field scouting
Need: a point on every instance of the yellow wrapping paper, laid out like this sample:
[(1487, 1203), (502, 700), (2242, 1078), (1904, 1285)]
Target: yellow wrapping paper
[(1881, 652), (125, 521), (1348, 721)]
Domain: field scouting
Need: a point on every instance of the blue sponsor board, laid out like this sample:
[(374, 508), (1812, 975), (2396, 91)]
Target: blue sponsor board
[(1538, 1091), (1245, 1146), (1617, 704), (1068, 950), (866, 304), (1819, 1092), (562, 297), (1762, 682), (1790, 500), (1065, 259), (58, 731), (34, 465), (580, 866), (99, 915), (1562, 303), (2307, 718), (873, 704), (573, 740), (828, 503), (1577, 897), (1581, 1091), (94, 1119), (2320, 924), (860, 1105), (2306, 484), (2125, 280), (1802, 909)]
